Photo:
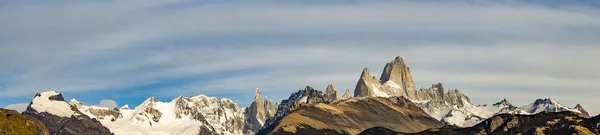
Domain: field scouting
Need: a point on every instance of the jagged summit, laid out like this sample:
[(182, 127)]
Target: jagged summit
[(502, 103), (583, 111), (51, 102), (347, 94), (61, 117), (396, 80), (397, 72), (257, 113), (331, 93), (305, 96)]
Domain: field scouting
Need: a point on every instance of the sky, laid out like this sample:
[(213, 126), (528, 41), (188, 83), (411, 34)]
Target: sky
[(117, 52)]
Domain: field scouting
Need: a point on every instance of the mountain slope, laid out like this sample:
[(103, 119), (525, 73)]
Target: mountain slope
[(13, 123), (542, 123), (354, 115), (305, 96)]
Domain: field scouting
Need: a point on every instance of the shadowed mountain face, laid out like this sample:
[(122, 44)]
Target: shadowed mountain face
[(560, 123), (353, 116)]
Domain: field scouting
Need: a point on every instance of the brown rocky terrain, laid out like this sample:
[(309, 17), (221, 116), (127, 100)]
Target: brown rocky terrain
[(352, 116), (13, 123), (559, 123)]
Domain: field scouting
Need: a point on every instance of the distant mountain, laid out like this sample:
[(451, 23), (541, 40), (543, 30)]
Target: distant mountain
[(61, 118), (560, 123), (449, 106), (305, 96), (351, 116), (392, 101), (196, 115), (257, 113)]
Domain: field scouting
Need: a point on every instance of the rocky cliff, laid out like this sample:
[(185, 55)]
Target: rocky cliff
[(305, 96), (396, 80), (257, 113), (331, 93), (347, 94)]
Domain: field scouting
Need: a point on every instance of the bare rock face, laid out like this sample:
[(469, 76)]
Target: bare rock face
[(366, 85), (306, 96), (396, 80), (397, 72), (61, 118), (583, 112), (99, 113), (258, 112), (331, 93), (269, 108), (347, 94)]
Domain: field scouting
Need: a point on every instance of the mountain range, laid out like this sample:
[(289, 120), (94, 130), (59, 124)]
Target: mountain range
[(391, 104)]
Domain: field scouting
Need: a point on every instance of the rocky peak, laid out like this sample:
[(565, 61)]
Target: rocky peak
[(269, 108), (583, 111), (257, 96), (74, 102), (393, 70), (331, 93), (503, 103), (150, 101), (395, 80), (308, 95), (439, 88), (50, 102), (257, 113), (366, 84), (365, 73), (62, 118), (548, 101), (179, 99), (347, 94)]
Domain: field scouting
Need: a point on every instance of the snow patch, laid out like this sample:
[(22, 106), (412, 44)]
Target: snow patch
[(379, 93), (44, 104)]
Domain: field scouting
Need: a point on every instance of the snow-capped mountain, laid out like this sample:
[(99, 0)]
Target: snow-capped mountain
[(196, 115), (450, 106), (61, 118), (470, 115), (545, 105)]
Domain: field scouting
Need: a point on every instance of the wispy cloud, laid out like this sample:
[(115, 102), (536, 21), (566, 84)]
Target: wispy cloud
[(231, 47)]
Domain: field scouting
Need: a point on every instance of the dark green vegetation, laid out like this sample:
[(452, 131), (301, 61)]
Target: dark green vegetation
[(560, 123), (13, 123)]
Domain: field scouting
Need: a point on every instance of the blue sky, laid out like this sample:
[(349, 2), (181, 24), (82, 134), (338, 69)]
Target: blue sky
[(129, 50)]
